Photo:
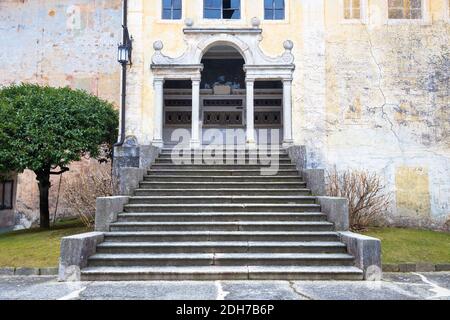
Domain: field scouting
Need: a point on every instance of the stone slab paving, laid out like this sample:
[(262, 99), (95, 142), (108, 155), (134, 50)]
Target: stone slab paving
[(394, 286)]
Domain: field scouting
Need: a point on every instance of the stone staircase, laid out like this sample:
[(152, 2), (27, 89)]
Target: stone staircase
[(221, 221)]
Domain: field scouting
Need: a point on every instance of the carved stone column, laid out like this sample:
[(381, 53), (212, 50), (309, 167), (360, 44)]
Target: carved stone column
[(250, 86), (195, 134), (158, 85), (287, 113)]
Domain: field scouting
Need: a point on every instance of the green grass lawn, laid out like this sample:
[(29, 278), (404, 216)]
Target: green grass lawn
[(34, 247), (412, 246)]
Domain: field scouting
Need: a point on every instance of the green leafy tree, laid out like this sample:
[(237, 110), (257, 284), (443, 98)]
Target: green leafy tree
[(44, 129)]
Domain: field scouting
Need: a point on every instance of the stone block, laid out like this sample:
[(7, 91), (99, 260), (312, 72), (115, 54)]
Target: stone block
[(367, 253), (425, 267), (148, 154), (106, 211), (27, 272), (443, 267), (390, 268), (48, 271), (128, 180), (75, 251), (298, 155), (407, 267), (315, 180), (337, 212), (7, 271)]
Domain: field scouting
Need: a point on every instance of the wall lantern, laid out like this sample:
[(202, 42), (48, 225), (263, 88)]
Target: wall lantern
[(125, 49)]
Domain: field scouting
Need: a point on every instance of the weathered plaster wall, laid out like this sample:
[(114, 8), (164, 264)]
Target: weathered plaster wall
[(369, 96), (59, 43), (387, 106)]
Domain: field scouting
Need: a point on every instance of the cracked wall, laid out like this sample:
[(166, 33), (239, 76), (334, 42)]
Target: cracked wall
[(388, 110), (369, 96), (59, 43)]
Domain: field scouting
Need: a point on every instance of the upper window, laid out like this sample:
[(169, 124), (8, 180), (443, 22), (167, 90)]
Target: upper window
[(171, 9), (6, 195), (222, 9), (405, 9), (274, 9), (352, 9)]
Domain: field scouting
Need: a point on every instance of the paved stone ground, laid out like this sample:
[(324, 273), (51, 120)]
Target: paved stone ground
[(393, 286)]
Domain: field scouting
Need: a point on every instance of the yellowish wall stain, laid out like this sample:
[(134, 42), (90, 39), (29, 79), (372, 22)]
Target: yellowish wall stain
[(412, 191)]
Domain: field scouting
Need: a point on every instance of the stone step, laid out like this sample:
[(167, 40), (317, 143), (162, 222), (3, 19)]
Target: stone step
[(223, 226), (219, 166), (221, 259), (215, 185), (221, 247), (204, 273), (226, 207), (208, 162), (210, 151), (220, 217), (224, 172), (183, 236), (222, 199), (224, 156), (222, 192), (159, 178)]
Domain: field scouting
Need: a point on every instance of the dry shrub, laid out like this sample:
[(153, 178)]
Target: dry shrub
[(368, 200), (447, 224), (82, 190)]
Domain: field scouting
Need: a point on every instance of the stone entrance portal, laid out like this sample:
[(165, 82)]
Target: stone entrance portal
[(225, 82), (223, 103)]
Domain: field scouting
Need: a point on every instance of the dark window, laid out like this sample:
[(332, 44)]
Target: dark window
[(274, 9), (223, 71), (6, 195), (222, 9), (177, 84), (171, 9)]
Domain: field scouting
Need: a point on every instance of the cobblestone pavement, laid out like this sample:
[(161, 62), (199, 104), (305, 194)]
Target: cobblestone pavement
[(394, 286)]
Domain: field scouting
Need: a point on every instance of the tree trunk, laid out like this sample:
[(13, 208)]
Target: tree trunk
[(43, 178)]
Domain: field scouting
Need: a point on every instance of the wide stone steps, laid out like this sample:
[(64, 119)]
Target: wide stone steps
[(220, 247), (222, 199), (222, 192), (221, 259), (223, 207), (209, 219), (223, 226), (220, 216), (254, 173), (183, 236), (221, 273)]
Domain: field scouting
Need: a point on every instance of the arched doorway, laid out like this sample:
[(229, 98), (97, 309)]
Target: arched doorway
[(224, 111)]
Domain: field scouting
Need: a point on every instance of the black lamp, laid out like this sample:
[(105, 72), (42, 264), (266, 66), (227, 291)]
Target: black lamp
[(125, 49)]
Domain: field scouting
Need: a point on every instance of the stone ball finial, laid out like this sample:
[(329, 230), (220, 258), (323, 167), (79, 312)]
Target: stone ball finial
[(288, 45), (255, 22), (158, 45), (189, 22)]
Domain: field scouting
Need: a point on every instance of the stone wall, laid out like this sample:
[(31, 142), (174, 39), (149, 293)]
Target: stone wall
[(372, 95), (59, 43), (387, 108)]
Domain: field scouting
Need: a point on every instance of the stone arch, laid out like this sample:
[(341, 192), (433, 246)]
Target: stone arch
[(225, 40)]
